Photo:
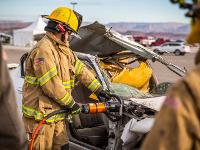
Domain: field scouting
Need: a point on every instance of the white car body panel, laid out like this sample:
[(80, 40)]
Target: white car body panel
[(154, 103), (171, 47)]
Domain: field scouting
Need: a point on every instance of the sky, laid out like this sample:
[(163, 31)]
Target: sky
[(104, 11)]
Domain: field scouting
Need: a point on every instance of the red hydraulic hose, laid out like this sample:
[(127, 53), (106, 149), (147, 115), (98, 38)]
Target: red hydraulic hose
[(37, 129), (35, 133)]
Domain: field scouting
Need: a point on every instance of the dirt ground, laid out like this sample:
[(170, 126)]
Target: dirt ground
[(162, 72)]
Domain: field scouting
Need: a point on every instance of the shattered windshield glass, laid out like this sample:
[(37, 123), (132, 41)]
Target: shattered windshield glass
[(123, 90)]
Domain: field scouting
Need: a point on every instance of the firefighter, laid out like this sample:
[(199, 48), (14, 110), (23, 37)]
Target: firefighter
[(177, 125), (12, 133), (50, 71)]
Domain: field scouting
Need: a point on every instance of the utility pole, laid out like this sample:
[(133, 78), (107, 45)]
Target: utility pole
[(73, 4)]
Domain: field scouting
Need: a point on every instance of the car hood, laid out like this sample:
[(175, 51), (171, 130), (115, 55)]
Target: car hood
[(97, 39)]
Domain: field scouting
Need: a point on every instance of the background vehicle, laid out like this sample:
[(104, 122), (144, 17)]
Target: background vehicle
[(159, 42), (177, 48)]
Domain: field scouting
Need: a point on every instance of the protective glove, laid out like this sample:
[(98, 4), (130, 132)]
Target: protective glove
[(103, 95), (75, 109)]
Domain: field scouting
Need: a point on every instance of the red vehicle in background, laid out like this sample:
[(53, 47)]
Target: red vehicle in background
[(159, 42), (138, 39)]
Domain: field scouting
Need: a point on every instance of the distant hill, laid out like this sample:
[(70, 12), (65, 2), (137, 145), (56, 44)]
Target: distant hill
[(175, 28), (166, 30), (172, 36)]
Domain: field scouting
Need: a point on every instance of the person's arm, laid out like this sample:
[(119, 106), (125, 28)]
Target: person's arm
[(12, 130), (47, 76), (175, 123), (86, 77)]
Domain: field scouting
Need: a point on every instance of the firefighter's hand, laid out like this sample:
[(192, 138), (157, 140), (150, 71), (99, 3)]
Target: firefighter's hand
[(103, 96), (75, 109)]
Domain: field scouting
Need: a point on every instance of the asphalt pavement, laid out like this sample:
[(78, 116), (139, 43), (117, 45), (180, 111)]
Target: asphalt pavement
[(163, 74)]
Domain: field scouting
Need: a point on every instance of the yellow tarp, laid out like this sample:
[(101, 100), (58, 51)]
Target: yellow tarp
[(137, 77)]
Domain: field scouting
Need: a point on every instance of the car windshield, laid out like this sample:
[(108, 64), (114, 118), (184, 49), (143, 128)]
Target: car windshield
[(124, 90)]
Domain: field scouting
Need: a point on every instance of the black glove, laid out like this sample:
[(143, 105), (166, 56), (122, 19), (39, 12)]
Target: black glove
[(103, 96), (75, 109)]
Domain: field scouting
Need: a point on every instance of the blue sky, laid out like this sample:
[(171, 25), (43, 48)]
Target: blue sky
[(102, 10)]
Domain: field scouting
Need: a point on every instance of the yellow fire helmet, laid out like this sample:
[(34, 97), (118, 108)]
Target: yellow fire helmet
[(67, 17)]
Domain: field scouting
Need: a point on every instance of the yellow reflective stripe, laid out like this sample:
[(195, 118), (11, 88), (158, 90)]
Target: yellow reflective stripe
[(31, 80), (90, 85), (68, 84), (78, 67), (71, 103), (30, 112), (66, 100), (47, 76), (76, 112), (94, 85)]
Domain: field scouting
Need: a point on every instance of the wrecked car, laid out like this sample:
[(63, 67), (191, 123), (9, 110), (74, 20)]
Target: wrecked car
[(108, 55)]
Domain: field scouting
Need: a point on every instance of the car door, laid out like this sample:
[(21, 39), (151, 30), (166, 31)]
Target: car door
[(165, 47), (174, 46)]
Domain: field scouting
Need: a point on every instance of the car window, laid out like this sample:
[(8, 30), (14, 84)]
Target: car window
[(174, 44), (165, 44)]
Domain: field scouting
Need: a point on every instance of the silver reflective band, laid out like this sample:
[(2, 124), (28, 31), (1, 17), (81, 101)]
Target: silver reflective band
[(47, 76), (43, 79), (32, 113), (78, 67), (94, 85), (68, 84)]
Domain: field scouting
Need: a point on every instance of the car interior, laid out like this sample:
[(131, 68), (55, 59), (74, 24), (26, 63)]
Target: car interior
[(93, 128), (88, 128)]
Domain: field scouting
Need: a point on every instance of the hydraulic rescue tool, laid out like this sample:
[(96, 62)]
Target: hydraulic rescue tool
[(112, 109)]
